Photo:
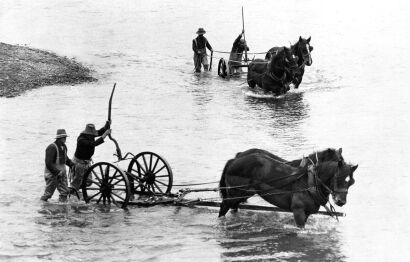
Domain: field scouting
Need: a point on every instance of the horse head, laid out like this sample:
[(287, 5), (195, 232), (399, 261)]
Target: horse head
[(342, 181), (336, 178), (303, 50), (279, 62)]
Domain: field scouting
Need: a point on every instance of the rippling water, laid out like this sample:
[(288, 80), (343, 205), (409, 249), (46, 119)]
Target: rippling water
[(355, 96)]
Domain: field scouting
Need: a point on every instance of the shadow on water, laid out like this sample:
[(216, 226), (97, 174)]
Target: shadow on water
[(272, 237), (77, 214)]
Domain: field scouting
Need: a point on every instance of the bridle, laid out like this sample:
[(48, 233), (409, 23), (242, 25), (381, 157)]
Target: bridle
[(304, 56), (320, 198)]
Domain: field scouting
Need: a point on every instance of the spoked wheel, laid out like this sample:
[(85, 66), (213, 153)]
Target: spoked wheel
[(150, 174), (222, 68), (107, 184)]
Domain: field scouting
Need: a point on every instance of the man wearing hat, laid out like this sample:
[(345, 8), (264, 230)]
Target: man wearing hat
[(86, 144), (55, 173), (235, 58), (199, 45)]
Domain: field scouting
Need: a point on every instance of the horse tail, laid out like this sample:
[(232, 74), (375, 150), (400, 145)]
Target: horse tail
[(223, 191)]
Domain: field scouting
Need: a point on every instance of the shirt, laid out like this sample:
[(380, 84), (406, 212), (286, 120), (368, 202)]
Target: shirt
[(86, 145), (200, 43), (51, 156)]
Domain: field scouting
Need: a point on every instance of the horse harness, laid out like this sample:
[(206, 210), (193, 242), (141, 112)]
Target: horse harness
[(314, 183)]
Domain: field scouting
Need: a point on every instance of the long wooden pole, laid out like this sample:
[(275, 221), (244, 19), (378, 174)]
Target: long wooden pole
[(244, 39)]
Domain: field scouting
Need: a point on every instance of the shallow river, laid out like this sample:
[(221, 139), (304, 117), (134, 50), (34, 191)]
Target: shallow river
[(354, 96)]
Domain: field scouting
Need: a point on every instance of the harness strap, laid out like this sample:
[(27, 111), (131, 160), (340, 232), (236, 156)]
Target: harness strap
[(58, 154), (331, 211)]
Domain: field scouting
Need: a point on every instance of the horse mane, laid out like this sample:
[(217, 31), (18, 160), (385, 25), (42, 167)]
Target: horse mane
[(275, 65)]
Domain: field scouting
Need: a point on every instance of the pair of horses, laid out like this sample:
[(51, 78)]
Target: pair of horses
[(300, 186), (281, 67)]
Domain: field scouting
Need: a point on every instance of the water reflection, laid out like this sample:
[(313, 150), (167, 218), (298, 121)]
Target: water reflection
[(288, 111), (270, 237), (282, 118)]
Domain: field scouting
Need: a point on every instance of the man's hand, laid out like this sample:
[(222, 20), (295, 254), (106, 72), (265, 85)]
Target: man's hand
[(106, 133), (107, 124)]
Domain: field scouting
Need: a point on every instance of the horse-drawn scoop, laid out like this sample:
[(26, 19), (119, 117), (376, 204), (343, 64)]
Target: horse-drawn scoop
[(147, 174)]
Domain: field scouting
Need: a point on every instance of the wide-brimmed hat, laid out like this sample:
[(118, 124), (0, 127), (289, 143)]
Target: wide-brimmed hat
[(90, 130), (61, 133), (200, 31)]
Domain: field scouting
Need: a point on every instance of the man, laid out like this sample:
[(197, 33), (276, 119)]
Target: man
[(86, 144), (238, 47), (199, 45), (55, 173)]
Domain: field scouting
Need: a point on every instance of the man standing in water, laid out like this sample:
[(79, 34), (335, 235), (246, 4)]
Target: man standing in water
[(235, 58), (199, 45), (55, 173), (86, 144)]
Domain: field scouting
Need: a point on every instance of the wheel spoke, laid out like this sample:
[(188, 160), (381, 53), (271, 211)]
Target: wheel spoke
[(152, 188), (150, 161), (162, 176), (115, 202), (94, 195), (96, 176), (98, 201), (145, 162), (158, 188), (102, 172), (94, 182), (138, 172), (92, 188), (118, 196), (140, 166), (161, 183), (106, 174), (159, 169), (117, 182), (155, 165), (139, 178), (120, 189), (113, 176)]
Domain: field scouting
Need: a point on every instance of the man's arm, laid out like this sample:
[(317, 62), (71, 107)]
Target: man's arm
[(68, 161), (209, 46), (194, 47), (103, 129)]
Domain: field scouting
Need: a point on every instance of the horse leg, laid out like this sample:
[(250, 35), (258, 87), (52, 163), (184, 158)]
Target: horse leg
[(300, 217), (236, 206), (224, 208)]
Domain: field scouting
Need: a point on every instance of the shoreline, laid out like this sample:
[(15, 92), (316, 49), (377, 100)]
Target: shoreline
[(25, 68)]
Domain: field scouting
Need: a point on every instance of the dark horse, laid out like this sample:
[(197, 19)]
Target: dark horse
[(300, 190), (329, 154), (271, 74), (301, 49)]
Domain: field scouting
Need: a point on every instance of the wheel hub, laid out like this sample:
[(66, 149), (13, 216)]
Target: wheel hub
[(106, 189), (150, 178)]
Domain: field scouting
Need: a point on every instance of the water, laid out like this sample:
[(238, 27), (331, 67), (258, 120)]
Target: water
[(354, 96)]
